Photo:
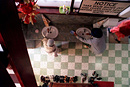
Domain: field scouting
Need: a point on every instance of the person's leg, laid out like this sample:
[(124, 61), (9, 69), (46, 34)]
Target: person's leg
[(114, 36), (55, 52)]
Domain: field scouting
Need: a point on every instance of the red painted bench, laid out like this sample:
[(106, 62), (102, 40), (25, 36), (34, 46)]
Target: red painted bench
[(104, 83)]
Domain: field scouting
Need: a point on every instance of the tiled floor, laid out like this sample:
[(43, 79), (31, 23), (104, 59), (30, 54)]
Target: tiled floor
[(112, 65)]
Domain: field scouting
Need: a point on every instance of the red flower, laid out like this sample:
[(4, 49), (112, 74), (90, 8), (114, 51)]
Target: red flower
[(27, 9)]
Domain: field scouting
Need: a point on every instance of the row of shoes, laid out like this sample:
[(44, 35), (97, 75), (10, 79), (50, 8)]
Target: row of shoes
[(60, 79), (65, 79), (92, 78)]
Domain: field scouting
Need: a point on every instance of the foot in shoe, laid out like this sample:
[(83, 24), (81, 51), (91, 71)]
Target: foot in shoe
[(99, 78)]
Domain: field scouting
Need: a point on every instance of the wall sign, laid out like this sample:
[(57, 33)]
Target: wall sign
[(102, 7)]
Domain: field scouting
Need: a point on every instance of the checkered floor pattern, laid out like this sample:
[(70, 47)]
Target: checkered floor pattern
[(112, 65)]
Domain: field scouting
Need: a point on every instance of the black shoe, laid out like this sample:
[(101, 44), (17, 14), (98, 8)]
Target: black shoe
[(96, 76), (117, 40), (91, 80), (94, 73), (109, 30), (99, 78), (82, 74)]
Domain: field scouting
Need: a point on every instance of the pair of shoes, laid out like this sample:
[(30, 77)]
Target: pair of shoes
[(96, 75), (84, 77)]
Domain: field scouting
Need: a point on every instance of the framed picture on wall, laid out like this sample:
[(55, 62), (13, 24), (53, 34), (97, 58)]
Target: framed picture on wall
[(105, 7)]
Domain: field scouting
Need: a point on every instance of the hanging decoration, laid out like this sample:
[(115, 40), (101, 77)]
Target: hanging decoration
[(28, 9)]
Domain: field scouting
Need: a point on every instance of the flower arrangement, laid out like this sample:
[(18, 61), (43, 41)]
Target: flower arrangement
[(28, 9)]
